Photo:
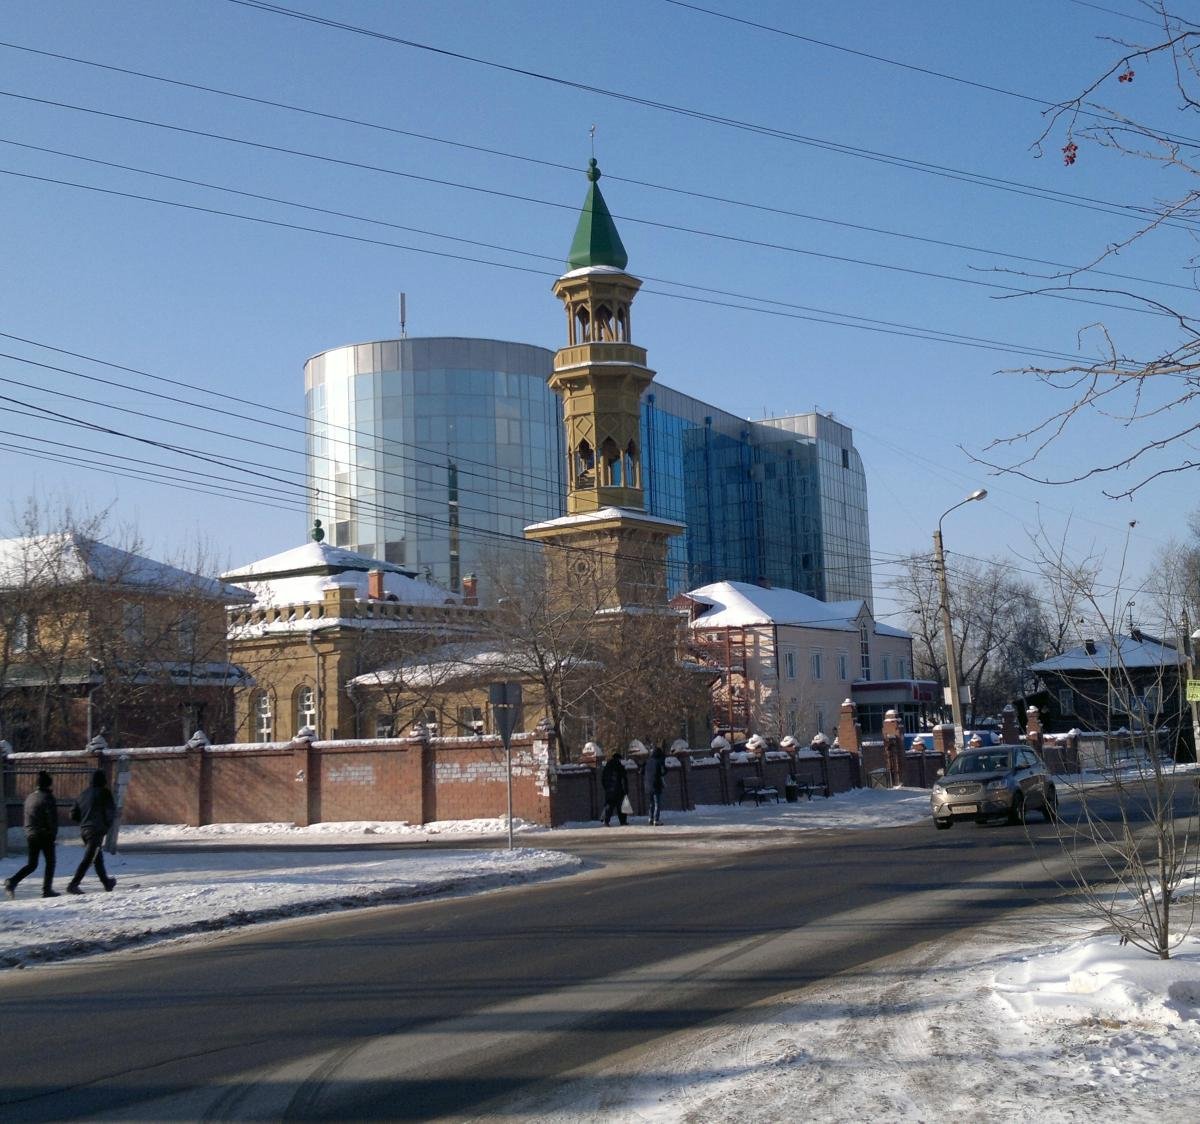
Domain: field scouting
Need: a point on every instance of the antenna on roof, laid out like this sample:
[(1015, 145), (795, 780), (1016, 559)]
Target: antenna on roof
[(404, 316)]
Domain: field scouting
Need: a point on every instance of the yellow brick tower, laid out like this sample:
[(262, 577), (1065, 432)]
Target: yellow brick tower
[(606, 538)]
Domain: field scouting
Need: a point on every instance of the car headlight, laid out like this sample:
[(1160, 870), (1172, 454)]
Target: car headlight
[(997, 786), (939, 790)]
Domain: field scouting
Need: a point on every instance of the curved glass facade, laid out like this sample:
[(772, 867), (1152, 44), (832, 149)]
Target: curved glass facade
[(436, 453), (428, 452)]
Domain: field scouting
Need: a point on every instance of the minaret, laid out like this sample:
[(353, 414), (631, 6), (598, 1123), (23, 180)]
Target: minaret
[(607, 539)]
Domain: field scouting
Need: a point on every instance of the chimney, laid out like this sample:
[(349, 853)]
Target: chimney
[(470, 589), (375, 585), (1089, 646)]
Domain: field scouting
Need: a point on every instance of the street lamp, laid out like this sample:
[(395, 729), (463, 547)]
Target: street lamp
[(951, 661)]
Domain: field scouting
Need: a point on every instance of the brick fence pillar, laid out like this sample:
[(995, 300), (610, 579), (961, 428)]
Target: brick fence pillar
[(1033, 728), (944, 742), (1010, 730), (306, 783)]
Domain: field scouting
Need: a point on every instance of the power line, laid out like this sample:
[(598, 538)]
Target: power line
[(1097, 112), (1011, 290), (558, 166), (782, 308), (911, 164)]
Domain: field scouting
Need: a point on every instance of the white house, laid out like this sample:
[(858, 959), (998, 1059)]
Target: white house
[(788, 661)]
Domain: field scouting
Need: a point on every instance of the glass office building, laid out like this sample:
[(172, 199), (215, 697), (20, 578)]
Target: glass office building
[(436, 453), (431, 453)]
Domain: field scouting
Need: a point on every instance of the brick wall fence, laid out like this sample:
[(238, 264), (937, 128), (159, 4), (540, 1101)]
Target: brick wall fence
[(420, 780)]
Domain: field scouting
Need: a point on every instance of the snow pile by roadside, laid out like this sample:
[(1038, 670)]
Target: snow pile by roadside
[(160, 896), (1034, 1017)]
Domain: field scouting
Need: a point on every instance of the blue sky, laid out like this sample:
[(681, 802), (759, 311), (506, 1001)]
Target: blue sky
[(235, 307)]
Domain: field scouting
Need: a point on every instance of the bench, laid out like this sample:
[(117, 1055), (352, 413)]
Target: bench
[(752, 786)]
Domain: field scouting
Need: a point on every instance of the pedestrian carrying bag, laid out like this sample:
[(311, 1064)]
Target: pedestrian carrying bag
[(626, 806)]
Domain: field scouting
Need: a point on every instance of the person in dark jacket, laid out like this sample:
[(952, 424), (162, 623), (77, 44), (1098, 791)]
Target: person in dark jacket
[(94, 811), (654, 781), (41, 829), (616, 788)]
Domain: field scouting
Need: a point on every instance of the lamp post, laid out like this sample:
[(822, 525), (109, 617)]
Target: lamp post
[(947, 634)]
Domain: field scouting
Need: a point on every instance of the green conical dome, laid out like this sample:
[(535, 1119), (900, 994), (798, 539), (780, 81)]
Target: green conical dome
[(596, 240)]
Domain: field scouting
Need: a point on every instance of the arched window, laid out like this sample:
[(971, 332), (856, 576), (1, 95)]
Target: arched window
[(583, 321), (610, 456), (623, 323), (263, 716), (585, 465), (604, 323), (631, 465), (306, 708)]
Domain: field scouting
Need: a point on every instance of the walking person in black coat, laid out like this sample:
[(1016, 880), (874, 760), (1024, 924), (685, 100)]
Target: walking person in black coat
[(41, 829), (94, 811), (655, 781), (616, 788)]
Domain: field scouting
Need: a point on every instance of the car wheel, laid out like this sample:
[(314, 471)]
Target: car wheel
[(1050, 807), (1016, 814), (943, 825)]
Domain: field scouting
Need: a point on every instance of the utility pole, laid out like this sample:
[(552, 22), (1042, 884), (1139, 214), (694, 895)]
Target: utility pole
[(1187, 651)]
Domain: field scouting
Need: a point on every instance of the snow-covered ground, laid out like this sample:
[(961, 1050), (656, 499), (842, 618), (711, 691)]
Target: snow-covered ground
[(1038, 1015)]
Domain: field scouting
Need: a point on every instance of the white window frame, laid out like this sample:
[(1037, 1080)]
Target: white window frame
[(306, 707), (816, 664), (264, 717), (789, 663), (843, 665)]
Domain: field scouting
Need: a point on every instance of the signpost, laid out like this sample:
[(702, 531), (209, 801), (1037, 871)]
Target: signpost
[(505, 699)]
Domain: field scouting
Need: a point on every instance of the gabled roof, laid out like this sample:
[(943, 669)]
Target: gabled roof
[(1137, 651), (740, 605), (455, 663), (68, 558), (302, 575), (312, 558), (596, 240)]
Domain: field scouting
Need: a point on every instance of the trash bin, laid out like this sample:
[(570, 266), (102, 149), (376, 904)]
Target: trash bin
[(791, 790)]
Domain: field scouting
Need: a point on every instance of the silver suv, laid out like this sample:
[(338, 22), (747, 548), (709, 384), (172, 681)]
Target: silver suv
[(1000, 781)]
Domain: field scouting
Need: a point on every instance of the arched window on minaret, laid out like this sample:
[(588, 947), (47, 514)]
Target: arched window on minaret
[(604, 323), (610, 457), (585, 465), (632, 475), (583, 320), (623, 323)]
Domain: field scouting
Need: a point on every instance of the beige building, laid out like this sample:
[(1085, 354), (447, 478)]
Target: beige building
[(320, 617), (789, 661)]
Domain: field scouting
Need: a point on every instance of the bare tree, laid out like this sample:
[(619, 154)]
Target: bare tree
[(1000, 620), (1149, 394), (1129, 865)]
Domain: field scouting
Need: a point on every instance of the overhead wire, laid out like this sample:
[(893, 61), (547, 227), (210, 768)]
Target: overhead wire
[(559, 166), (782, 309), (961, 175)]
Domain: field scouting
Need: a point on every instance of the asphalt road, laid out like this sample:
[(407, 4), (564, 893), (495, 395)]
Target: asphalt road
[(442, 1009)]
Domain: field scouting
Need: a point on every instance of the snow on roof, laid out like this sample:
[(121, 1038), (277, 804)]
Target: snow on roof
[(603, 514), (1128, 652), (302, 575), (67, 558), (454, 662), (739, 604), (311, 557)]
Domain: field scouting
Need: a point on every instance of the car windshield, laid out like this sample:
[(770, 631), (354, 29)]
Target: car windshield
[(994, 761)]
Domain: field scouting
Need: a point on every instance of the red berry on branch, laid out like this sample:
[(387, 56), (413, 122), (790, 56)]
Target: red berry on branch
[(1069, 150), (1127, 76)]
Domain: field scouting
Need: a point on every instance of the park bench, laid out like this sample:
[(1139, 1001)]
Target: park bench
[(752, 786)]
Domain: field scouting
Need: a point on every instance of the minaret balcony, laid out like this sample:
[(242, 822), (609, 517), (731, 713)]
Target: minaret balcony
[(600, 351)]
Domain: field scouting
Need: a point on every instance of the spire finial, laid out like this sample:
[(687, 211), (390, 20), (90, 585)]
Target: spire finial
[(593, 172), (318, 532), (592, 137)]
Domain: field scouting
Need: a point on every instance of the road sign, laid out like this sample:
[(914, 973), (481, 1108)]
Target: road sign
[(1193, 690), (506, 708), (506, 711)]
